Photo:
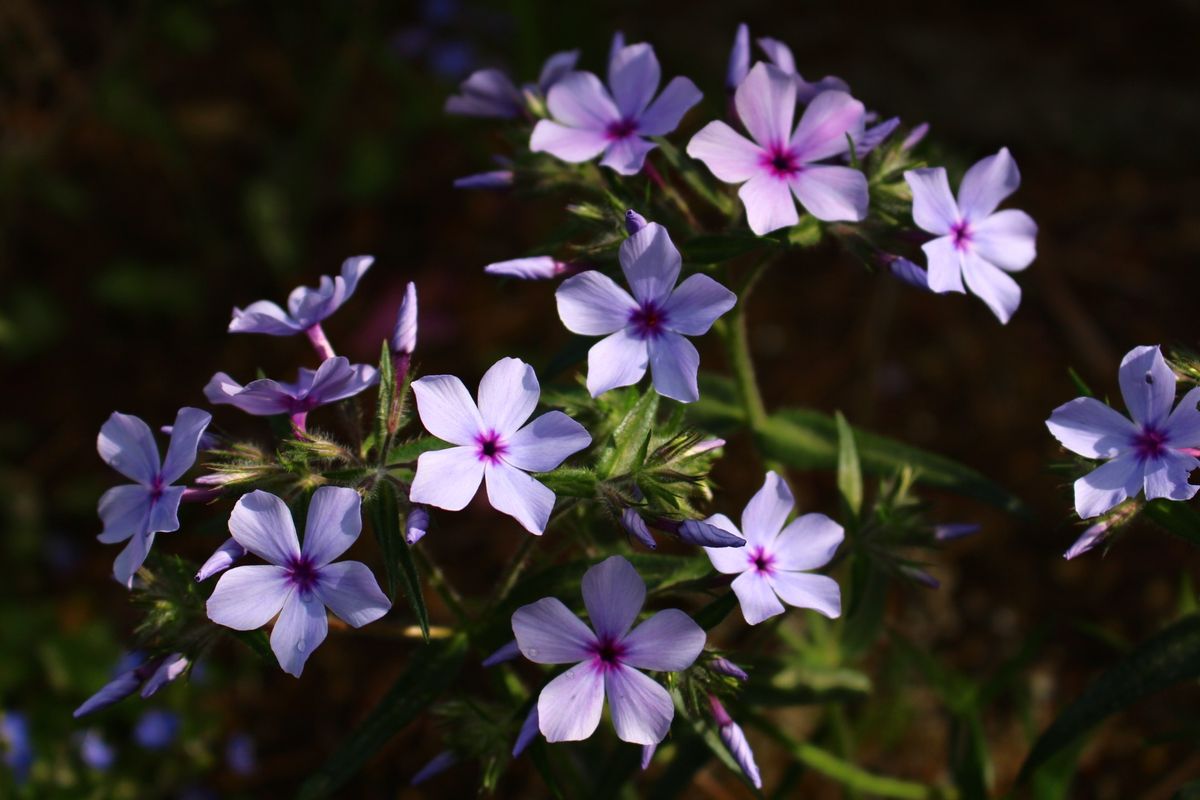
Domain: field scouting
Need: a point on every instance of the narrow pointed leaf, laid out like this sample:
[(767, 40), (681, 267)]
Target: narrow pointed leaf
[(398, 561)]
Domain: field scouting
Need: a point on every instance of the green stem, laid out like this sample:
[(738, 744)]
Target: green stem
[(732, 331), (445, 590)]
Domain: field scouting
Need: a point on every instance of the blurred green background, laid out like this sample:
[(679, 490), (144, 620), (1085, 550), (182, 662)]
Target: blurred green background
[(162, 162)]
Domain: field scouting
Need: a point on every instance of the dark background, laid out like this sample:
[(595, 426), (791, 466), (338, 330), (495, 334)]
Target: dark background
[(162, 162)]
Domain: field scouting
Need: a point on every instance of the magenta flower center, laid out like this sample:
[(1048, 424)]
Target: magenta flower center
[(302, 574), (490, 447), (607, 653), (961, 233), (1149, 443), (761, 561), (648, 320), (156, 489), (781, 162), (621, 129)]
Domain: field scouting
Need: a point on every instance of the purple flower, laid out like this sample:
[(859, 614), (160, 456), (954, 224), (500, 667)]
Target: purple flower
[(1088, 540), (336, 379), (780, 162), (693, 531), (416, 524), (298, 582), (306, 307), (634, 222), (726, 667), (156, 729), (404, 335), (17, 744), (974, 241), (607, 657), (436, 766), (739, 59), (636, 527), (506, 652), (647, 329), (167, 671), (907, 271), (735, 740), (95, 752), (496, 179), (534, 268), (528, 732), (772, 565), (1151, 452), (149, 506), (493, 443), (491, 93), (133, 672), (222, 559), (589, 120), (780, 55)]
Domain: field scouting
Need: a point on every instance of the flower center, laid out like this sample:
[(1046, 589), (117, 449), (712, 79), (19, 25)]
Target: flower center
[(607, 653), (761, 561), (781, 162), (302, 574), (490, 447), (156, 489), (621, 129), (961, 233), (1149, 443), (648, 320)]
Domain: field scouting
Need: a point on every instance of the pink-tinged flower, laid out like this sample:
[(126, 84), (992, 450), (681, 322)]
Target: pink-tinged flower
[(781, 162), (975, 242), (297, 582), (589, 119), (647, 329), (607, 657), (222, 559), (336, 379), (735, 740), (306, 307), (1152, 452), (493, 443), (491, 93), (150, 505), (534, 268), (773, 565)]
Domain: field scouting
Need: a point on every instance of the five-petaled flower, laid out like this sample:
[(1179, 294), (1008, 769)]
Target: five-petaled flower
[(336, 379), (492, 443), (589, 120), (772, 566), (975, 242), (607, 657), (647, 328), (140, 510), (780, 161), (299, 581), (1156, 451)]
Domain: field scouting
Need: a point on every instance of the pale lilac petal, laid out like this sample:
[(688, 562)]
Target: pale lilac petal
[(546, 442), (508, 394), (1147, 384), (447, 410), (1093, 430), (569, 144), (535, 268), (351, 592), (728, 560), (825, 124), (164, 512), (404, 334), (617, 360), (591, 303), (874, 136), (447, 478), (125, 511), (1183, 426), (669, 641), (336, 379), (262, 523), (580, 101), (222, 559), (548, 633), (189, 426), (756, 597), (766, 104), (739, 62), (933, 205), (334, 523), (915, 136), (665, 113), (261, 397), (986, 184), (832, 193), (529, 731), (1167, 476), (634, 76), (246, 598), (779, 54), (127, 444), (945, 265), (735, 739), (728, 155), (769, 204), (1007, 239), (613, 593), (626, 156), (808, 542), (569, 706), (486, 93), (555, 67), (130, 559), (695, 305), (615, 47), (673, 366), (804, 590), (992, 285), (651, 264), (521, 497), (1107, 485), (506, 652), (263, 316), (768, 509), (641, 708), (169, 670), (300, 629), (1088, 540)]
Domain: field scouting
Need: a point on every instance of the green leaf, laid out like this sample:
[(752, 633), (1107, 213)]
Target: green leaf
[(1178, 518), (630, 438), (397, 560), (256, 641), (387, 397), (570, 482), (430, 672), (868, 602), (849, 472), (715, 612), (1165, 659), (409, 451)]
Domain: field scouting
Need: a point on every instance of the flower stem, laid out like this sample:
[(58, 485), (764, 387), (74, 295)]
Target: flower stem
[(320, 342), (676, 199), (737, 347)]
